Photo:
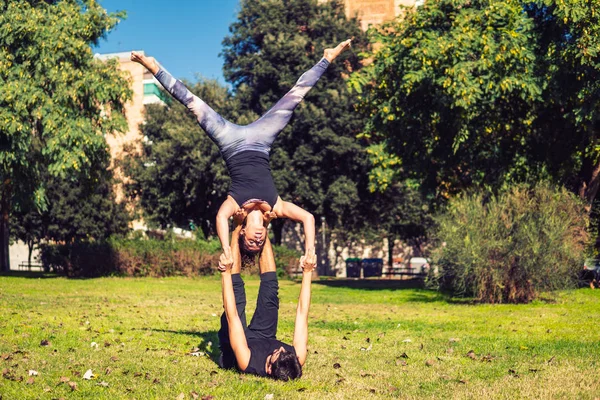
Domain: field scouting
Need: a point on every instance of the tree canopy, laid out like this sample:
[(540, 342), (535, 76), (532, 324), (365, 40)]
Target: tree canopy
[(485, 93), (56, 101)]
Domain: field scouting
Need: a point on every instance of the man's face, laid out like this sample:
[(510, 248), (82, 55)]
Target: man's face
[(272, 358)]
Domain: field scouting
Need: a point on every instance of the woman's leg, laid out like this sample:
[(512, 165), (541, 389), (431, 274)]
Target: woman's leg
[(217, 128), (267, 127)]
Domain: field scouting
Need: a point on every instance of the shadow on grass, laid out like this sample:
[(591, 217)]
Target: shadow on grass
[(373, 284), (31, 274), (209, 341)]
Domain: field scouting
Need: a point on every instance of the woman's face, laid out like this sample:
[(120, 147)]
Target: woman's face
[(255, 235)]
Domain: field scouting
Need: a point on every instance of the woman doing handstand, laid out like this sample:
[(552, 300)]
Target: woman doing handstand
[(245, 150)]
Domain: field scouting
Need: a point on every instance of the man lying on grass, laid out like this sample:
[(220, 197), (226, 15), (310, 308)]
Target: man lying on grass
[(254, 349)]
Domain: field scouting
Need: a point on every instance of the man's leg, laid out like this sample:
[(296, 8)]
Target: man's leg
[(264, 321)]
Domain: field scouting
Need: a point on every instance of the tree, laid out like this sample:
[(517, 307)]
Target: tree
[(78, 209), (485, 93), (180, 176), (317, 161), (56, 101)]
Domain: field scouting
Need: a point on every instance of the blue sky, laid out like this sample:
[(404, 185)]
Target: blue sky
[(183, 35)]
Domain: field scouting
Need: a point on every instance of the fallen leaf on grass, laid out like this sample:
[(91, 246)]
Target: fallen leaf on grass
[(404, 355), (181, 396), (156, 381), (207, 397), (269, 396), (407, 341), (487, 358), (137, 374), (514, 373), (103, 384), (463, 381), (445, 377), (429, 363), (401, 362), (107, 371), (471, 355), (114, 358), (533, 370), (30, 381), (372, 390), (194, 395), (64, 379), (33, 372), (72, 385), (454, 340), (94, 345), (89, 375), (45, 343), (367, 348), (337, 366), (550, 360), (366, 374), (450, 351), (7, 356), (340, 381)]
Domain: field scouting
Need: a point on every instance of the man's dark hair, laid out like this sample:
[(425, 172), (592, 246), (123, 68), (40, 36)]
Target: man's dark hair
[(286, 367)]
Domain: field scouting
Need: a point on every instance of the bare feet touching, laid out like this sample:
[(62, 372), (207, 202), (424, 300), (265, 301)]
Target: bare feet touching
[(331, 54), (147, 62)]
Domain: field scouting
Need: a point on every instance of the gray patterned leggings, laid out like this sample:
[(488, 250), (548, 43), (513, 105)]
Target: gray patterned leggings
[(257, 136)]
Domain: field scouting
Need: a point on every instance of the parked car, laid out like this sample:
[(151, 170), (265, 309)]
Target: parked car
[(591, 272)]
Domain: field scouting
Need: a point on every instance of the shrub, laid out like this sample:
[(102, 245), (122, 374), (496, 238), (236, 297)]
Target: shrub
[(146, 257), (510, 247)]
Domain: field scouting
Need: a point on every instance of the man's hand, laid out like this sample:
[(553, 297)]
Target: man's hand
[(268, 216), (308, 262), (226, 261), (239, 216)]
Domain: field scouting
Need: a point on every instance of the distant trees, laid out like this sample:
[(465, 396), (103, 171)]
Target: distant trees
[(56, 101)]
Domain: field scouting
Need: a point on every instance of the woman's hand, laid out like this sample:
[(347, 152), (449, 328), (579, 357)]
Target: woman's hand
[(225, 261), (239, 216), (269, 216), (308, 262)]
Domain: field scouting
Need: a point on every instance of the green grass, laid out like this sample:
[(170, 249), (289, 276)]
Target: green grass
[(145, 329)]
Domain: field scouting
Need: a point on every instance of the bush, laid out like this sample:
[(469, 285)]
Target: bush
[(132, 257), (509, 248), (146, 257)]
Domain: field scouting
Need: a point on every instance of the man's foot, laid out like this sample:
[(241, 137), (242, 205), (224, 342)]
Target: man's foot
[(331, 54), (147, 62)]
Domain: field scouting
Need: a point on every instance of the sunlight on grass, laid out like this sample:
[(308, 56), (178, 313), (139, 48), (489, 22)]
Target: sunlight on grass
[(154, 338)]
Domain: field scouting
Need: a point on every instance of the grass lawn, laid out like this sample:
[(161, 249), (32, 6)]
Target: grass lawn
[(136, 335)]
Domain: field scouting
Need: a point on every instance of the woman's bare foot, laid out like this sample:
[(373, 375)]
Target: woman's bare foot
[(147, 62), (331, 54)]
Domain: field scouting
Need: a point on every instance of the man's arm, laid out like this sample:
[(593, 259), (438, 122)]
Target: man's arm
[(300, 343), (237, 336)]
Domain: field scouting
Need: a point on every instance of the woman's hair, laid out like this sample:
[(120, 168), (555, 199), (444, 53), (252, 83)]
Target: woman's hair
[(286, 367), (248, 256)]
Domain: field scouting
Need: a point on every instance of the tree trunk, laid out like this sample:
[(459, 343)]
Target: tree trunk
[(30, 246), (589, 189), (4, 212), (391, 240), (277, 228)]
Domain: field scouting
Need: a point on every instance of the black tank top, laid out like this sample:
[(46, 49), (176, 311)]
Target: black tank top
[(260, 349), (251, 178)]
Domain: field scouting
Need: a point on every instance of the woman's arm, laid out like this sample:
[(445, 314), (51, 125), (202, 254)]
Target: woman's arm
[(289, 210), (226, 210)]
